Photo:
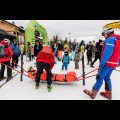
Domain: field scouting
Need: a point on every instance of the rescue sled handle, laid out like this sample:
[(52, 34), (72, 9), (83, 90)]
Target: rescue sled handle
[(86, 77), (88, 73), (14, 69), (19, 66)]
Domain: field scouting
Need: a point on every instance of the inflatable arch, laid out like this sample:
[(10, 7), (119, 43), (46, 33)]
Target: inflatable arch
[(32, 27), (114, 25)]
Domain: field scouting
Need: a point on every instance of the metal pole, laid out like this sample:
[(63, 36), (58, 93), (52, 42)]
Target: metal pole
[(83, 64), (21, 78), (22, 50)]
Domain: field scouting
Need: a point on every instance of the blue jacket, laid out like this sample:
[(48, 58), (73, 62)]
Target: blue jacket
[(66, 59), (15, 49), (108, 51)]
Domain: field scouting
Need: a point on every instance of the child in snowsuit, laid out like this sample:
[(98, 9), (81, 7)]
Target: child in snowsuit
[(77, 59), (65, 60)]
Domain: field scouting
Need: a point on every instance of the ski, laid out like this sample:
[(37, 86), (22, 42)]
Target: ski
[(9, 79), (1, 79), (4, 78)]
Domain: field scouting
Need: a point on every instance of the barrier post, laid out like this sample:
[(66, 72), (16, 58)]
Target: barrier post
[(83, 64), (22, 50)]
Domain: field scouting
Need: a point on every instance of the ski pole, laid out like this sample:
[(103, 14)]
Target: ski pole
[(14, 69)]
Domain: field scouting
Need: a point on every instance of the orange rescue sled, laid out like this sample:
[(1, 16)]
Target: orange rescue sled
[(70, 77)]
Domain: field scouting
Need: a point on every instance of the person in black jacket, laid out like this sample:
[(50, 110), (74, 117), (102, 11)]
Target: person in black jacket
[(37, 48), (89, 52), (98, 50)]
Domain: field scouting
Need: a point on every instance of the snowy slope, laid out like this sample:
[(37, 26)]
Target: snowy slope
[(25, 90)]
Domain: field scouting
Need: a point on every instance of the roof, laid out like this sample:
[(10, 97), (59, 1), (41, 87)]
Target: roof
[(6, 35), (114, 25), (21, 30)]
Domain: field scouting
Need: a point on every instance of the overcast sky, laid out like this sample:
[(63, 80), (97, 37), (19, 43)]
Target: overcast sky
[(77, 28)]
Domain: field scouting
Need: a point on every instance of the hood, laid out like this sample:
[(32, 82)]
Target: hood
[(116, 36), (3, 42)]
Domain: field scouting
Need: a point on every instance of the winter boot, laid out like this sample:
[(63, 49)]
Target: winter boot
[(37, 86), (91, 93), (92, 66), (49, 87), (107, 94)]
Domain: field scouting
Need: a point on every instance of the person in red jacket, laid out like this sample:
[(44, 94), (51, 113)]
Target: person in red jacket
[(45, 60), (5, 56)]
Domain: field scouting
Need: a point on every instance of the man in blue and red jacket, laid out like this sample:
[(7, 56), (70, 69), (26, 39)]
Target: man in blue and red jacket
[(110, 59)]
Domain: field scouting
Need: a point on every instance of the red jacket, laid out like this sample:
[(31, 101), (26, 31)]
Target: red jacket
[(113, 61), (42, 57), (8, 51)]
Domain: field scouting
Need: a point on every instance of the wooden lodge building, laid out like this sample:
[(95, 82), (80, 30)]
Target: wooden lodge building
[(13, 31)]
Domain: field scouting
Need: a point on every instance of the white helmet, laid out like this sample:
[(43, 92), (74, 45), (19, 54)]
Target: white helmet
[(7, 41), (108, 31)]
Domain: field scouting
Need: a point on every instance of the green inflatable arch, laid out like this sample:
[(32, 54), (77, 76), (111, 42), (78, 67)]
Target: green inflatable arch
[(30, 32)]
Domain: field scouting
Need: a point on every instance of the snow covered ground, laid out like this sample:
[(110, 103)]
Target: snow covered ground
[(25, 90)]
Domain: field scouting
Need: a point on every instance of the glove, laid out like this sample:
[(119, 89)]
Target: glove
[(97, 77)]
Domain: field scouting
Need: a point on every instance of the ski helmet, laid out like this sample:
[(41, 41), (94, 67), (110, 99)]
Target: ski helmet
[(7, 41), (108, 31)]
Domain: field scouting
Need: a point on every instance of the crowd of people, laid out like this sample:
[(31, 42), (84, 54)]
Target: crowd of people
[(73, 50)]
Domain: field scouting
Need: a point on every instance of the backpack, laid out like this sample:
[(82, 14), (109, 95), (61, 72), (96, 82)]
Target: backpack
[(2, 50), (45, 52)]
